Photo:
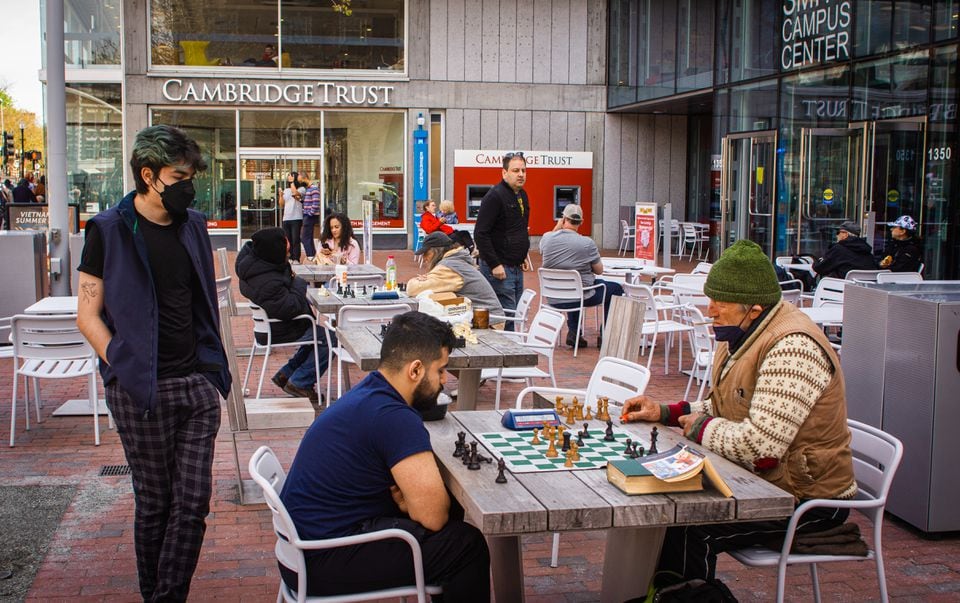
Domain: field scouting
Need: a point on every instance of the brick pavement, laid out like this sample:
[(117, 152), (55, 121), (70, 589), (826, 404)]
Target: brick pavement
[(91, 555)]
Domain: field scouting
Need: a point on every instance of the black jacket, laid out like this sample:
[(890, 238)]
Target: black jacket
[(23, 194), (907, 254), (852, 253), (274, 288), (501, 231)]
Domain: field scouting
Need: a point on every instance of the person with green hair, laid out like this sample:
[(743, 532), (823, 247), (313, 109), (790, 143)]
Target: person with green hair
[(148, 306), (777, 407)]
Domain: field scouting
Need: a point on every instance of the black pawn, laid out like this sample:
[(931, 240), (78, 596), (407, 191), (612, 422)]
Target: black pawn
[(474, 463), (458, 449), (633, 451), (364, 289), (586, 434), (639, 449), (608, 435), (566, 441), (653, 440), (580, 436), (627, 450), (501, 467), (339, 288)]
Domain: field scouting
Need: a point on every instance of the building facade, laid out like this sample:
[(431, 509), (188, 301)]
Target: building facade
[(773, 120)]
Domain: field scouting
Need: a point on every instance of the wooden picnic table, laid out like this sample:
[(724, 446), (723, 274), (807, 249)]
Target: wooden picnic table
[(492, 350), (559, 501), (326, 301), (322, 273)]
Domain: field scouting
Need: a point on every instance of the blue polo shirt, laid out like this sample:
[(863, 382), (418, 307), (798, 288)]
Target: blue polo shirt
[(340, 476)]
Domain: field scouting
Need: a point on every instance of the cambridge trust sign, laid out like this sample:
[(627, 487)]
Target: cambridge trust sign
[(319, 93)]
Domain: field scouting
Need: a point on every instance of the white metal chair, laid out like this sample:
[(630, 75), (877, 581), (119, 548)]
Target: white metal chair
[(653, 324), (566, 286), (702, 344), (543, 337), (829, 291), (864, 276), (688, 289), (261, 326), (519, 316), (6, 351), (268, 473), (900, 277), (626, 236), (693, 238), (51, 347), (876, 456), (702, 268), (356, 316), (791, 295), (612, 378)]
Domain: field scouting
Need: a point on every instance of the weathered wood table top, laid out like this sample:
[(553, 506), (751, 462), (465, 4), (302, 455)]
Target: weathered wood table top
[(322, 273)]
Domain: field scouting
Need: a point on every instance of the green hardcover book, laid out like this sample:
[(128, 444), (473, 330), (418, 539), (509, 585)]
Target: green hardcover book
[(633, 478)]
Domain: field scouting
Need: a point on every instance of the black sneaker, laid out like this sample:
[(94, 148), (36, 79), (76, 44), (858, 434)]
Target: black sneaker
[(571, 340), (280, 380), (300, 392)]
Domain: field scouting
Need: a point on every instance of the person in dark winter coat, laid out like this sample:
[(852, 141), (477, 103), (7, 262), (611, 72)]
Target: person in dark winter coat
[(904, 251), (267, 280), (850, 252)]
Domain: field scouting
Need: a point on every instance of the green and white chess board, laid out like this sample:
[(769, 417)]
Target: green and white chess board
[(523, 457)]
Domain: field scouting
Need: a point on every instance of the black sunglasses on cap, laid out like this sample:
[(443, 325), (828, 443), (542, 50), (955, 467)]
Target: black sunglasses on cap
[(509, 156)]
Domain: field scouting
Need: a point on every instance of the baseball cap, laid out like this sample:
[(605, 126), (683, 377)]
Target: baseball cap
[(904, 222), (434, 239), (573, 213), (851, 227)]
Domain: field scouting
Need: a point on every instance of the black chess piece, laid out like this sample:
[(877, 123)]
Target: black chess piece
[(633, 451), (653, 440), (566, 441), (383, 331), (586, 434), (474, 463), (580, 438), (458, 449), (608, 435), (638, 448), (364, 289), (626, 451), (501, 467), (340, 289)]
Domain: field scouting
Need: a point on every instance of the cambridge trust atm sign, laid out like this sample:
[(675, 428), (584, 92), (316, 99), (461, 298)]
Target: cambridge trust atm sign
[(815, 31), (298, 93)]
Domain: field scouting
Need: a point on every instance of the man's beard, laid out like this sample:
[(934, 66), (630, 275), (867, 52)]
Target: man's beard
[(425, 400)]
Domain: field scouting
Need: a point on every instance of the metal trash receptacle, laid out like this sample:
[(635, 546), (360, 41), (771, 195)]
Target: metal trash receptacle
[(23, 270)]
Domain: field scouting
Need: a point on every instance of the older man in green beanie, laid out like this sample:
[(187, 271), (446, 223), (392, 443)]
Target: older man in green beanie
[(777, 407)]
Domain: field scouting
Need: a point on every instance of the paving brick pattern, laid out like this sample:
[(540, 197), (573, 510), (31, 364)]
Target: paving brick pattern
[(91, 556)]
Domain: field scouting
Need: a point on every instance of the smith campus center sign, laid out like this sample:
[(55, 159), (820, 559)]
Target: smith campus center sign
[(294, 93), (815, 31)]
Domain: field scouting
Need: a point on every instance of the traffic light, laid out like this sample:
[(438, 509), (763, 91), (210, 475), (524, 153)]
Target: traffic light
[(8, 148), (34, 155)]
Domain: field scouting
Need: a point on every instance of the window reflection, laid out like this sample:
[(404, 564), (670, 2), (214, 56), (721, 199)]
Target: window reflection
[(314, 35), (94, 146), (91, 32)]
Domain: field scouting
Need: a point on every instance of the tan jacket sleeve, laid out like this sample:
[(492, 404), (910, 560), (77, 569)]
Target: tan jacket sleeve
[(440, 280)]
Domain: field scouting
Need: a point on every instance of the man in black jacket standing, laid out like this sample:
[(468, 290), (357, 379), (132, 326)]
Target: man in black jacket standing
[(267, 280), (850, 252), (504, 218)]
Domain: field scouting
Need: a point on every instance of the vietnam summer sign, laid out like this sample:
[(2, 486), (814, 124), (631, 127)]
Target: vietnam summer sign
[(815, 31)]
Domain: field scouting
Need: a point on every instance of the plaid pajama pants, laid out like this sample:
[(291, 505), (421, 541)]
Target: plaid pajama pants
[(171, 457)]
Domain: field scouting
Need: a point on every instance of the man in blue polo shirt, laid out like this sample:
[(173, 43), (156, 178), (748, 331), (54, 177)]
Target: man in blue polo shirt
[(366, 464)]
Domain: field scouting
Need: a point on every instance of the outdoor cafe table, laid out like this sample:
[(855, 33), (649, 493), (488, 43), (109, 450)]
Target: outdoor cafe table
[(326, 301), (322, 273), (629, 269), (558, 501), (492, 350)]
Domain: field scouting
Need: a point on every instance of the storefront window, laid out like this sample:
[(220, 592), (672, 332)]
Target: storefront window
[(360, 35), (889, 88), (753, 107), (91, 33), (657, 56), (874, 23), (945, 19), (215, 132), (753, 29), (94, 146), (622, 74), (911, 23), (694, 45), (364, 159), (941, 237), (281, 129)]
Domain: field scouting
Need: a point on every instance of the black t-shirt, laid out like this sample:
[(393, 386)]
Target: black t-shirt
[(175, 284)]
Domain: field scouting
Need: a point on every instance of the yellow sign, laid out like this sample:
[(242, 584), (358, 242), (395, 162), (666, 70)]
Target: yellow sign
[(893, 195), (759, 174), (828, 194)]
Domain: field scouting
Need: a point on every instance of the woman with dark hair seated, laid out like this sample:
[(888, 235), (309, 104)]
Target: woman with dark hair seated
[(338, 245), (430, 223)]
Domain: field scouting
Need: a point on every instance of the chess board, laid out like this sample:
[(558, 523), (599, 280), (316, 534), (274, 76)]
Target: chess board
[(523, 457)]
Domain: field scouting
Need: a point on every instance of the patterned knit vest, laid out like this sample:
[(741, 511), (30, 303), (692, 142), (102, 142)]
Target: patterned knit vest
[(818, 463)]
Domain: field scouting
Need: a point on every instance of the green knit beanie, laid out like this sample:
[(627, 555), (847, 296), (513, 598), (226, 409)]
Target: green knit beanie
[(743, 275)]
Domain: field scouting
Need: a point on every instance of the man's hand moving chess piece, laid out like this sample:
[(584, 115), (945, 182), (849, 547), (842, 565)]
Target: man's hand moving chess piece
[(640, 408)]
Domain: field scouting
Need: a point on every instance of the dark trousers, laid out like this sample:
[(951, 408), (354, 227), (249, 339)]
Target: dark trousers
[(456, 558), (691, 551), (291, 228), (306, 235), (170, 454), (596, 297)]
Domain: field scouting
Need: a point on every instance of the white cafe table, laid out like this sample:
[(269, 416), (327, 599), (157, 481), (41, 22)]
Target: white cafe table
[(826, 315), (65, 305), (628, 269)]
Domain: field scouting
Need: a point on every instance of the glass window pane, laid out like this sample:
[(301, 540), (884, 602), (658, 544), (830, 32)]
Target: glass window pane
[(873, 27), (280, 129), (91, 33), (753, 107), (695, 45), (657, 28), (755, 39), (946, 16), (724, 20), (94, 146), (363, 159), (366, 34), (215, 132), (213, 33), (942, 259), (622, 70), (893, 87), (911, 23)]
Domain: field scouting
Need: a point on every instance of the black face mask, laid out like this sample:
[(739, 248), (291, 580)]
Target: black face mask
[(730, 333), (177, 197)]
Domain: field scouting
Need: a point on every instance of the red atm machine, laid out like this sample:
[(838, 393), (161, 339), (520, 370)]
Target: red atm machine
[(554, 180)]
